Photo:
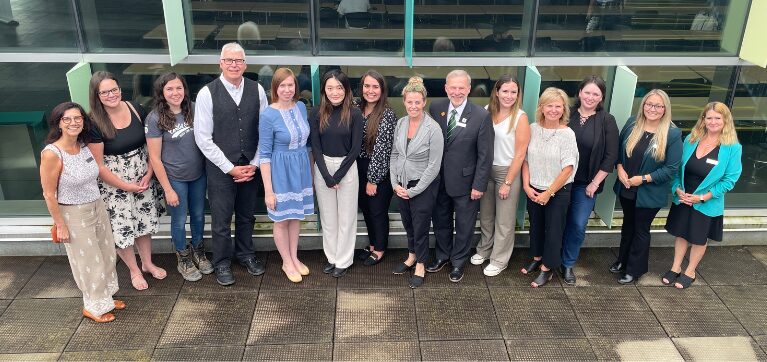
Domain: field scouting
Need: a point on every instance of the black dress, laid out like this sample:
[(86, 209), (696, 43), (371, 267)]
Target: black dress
[(686, 222)]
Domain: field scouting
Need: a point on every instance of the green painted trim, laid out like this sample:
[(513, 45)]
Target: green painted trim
[(409, 15), (78, 79), (315, 71), (530, 94), (175, 30), (752, 48), (621, 102)]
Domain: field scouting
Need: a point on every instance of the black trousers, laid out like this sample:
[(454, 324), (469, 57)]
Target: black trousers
[(375, 209), (457, 249), (634, 252), (547, 226), (416, 217), (227, 197)]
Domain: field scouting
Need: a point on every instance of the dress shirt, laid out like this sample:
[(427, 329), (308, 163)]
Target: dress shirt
[(459, 110), (203, 122)]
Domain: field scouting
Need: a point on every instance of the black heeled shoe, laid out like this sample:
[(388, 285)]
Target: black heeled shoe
[(532, 266), (542, 278)]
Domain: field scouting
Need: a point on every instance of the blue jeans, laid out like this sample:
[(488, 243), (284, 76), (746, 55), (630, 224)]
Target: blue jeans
[(191, 198), (575, 228)]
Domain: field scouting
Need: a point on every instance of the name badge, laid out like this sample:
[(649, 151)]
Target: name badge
[(461, 123), (89, 159), (712, 162)]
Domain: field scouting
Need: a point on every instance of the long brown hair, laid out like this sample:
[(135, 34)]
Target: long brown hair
[(374, 119), (167, 120), (98, 114), (326, 108), (661, 134), (495, 104)]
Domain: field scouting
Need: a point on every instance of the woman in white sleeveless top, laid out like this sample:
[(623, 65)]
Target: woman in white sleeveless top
[(498, 206), (69, 175)]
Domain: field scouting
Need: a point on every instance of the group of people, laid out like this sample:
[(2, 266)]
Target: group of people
[(105, 174)]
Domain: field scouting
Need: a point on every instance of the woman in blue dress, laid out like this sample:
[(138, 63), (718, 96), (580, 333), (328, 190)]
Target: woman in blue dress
[(285, 168)]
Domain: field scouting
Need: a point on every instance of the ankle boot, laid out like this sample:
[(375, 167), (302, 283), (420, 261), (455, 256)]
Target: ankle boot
[(201, 260), (186, 266)]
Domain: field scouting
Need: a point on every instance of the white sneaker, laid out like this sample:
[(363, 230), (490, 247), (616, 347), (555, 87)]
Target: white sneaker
[(477, 259), (492, 270)]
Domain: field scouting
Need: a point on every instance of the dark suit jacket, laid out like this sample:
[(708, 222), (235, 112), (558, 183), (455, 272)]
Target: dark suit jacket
[(468, 156)]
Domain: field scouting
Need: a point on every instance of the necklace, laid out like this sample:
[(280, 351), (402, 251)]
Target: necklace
[(547, 139), (583, 117)]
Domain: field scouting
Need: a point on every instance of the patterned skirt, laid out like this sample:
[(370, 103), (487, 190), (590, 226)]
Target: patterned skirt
[(131, 214), (292, 185), (91, 253)]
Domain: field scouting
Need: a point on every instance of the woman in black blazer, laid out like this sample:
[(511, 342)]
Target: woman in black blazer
[(597, 136)]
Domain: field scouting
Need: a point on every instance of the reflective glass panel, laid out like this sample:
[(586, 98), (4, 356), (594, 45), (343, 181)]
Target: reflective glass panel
[(364, 27), (261, 27), (134, 26), (750, 114), (640, 27), (37, 25)]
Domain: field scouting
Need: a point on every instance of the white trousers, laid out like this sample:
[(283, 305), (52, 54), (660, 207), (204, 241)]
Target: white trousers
[(338, 213)]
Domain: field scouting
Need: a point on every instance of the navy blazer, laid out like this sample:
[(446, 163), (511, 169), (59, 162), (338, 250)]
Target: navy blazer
[(468, 156), (653, 194), (720, 179)]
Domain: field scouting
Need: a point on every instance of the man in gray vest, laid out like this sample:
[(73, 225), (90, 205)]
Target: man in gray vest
[(226, 131)]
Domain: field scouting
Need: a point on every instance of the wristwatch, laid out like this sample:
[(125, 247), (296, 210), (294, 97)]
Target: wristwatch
[(701, 199), (507, 182), (644, 179)]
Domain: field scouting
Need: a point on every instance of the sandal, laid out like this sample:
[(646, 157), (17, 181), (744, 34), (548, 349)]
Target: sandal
[(683, 281), (138, 282), (543, 278), (104, 318), (119, 304), (532, 266), (669, 278), (157, 273), (372, 259)]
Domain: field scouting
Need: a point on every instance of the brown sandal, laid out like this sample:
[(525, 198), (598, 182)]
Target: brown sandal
[(119, 304), (104, 318)]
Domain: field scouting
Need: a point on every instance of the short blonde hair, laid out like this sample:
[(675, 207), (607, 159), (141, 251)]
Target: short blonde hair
[(551, 95), (728, 136)]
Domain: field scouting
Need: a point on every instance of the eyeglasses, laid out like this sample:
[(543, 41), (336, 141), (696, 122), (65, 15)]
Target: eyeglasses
[(104, 93), (658, 107), (69, 120), (229, 61)]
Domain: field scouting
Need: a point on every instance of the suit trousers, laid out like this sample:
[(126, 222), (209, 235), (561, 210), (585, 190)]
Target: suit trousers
[(456, 249), (338, 213), (497, 218), (227, 197), (547, 225), (416, 217), (375, 209), (634, 251)]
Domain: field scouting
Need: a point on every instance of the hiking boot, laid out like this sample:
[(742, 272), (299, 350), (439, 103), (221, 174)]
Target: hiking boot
[(186, 266), (201, 260)]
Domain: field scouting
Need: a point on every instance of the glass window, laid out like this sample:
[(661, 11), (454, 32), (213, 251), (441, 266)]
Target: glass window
[(638, 27), (363, 27), (114, 26), (491, 27), (261, 27), (37, 25), (569, 78), (29, 92), (750, 113)]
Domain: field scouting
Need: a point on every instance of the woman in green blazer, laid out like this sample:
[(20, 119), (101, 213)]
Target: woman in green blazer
[(648, 158), (710, 168)]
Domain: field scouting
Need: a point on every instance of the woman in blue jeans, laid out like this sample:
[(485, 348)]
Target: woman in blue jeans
[(180, 167), (597, 136)]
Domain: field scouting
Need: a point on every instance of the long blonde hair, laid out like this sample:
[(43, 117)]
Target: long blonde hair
[(658, 142), (728, 135), (551, 95)]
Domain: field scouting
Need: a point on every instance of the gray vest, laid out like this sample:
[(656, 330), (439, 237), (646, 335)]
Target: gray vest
[(235, 128)]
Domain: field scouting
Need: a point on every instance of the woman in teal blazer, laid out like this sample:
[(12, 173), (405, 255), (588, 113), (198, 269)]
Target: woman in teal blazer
[(650, 150), (710, 168)]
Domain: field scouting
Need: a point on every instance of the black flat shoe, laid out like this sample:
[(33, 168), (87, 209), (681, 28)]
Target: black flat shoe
[(684, 281), (456, 274), (328, 268), (568, 275), (363, 254), (532, 266), (339, 272), (669, 278), (542, 279), (372, 259), (401, 268), (617, 267), (626, 279), (416, 281), (436, 265)]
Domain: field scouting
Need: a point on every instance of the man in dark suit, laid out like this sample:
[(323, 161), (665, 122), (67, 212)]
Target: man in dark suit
[(466, 164)]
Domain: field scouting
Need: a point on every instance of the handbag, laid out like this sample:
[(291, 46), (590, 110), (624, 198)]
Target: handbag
[(54, 235)]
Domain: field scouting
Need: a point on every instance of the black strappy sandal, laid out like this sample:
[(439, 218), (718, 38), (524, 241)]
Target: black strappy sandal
[(532, 266), (671, 276)]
